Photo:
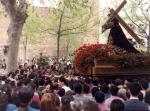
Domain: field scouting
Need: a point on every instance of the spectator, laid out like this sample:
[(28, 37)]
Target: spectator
[(94, 90), (91, 106), (25, 96), (86, 91), (78, 97), (61, 93), (105, 90), (117, 105), (133, 104), (144, 85), (100, 97), (4, 105), (63, 84), (66, 106), (147, 98), (113, 91), (49, 103)]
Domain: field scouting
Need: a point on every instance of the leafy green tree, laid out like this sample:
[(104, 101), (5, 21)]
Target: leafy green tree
[(71, 18)]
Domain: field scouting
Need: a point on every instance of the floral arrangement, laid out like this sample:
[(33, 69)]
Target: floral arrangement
[(86, 54)]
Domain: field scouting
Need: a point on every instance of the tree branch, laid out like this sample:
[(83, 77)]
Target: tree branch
[(21, 14), (72, 33), (144, 13), (134, 22), (60, 21), (73, 28), (10, 7), (52, 33)]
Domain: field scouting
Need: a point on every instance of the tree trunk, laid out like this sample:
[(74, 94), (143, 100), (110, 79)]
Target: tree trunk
[(148, 40), (58, 47), (25, 48), (17, 14), (14, 33), (148, 43)]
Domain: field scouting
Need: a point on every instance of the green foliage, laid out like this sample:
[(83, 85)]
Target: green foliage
[(33, 26), (75, 23)]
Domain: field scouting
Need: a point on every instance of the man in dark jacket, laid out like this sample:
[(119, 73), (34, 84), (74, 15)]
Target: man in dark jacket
[(133, 104)]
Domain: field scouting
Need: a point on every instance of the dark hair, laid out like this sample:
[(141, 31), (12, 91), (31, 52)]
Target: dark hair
[(99, 97), (3, 100), (134, 88), (105, 88), (7, 89), (19, 83), (147, 97), (117, 105), (26, 81), (144, 84), (25, 94), (65, 100), (62, 79), (87, 80), (41, 82), (118, 82), (61, 92), (86, 88), (94, 90), (95, 81), (78, 88), (113, 90)]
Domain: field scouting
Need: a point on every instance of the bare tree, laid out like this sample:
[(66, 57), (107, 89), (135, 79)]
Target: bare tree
[(17, 14)]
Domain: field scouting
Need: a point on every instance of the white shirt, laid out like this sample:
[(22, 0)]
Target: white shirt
[(66, 88)]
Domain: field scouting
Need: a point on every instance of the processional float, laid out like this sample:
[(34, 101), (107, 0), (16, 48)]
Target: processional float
[(118, 38)]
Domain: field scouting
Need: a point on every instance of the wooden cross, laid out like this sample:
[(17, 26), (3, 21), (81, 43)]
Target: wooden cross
[(114, 14)]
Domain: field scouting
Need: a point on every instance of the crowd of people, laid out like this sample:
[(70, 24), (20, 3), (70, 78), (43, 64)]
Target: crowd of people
[(57, 87)]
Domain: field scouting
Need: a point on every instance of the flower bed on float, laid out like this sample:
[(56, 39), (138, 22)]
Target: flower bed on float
[(86, 54)]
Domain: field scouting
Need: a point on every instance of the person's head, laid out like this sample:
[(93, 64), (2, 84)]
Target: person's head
[(61, 92), (123, 93), (91, 106), (65, 100), (48, 88), (7, 89), (99, 97), (134, 89), (3, 100), (41, 82), (144, 84), (48, 102), (86, 88), (62, 81), (147, 97), (105, 88), (78, 88), (113, 90), (87, 80), (118, 82), (94, 90), (95, 81), (25, 95), (117, 105)]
